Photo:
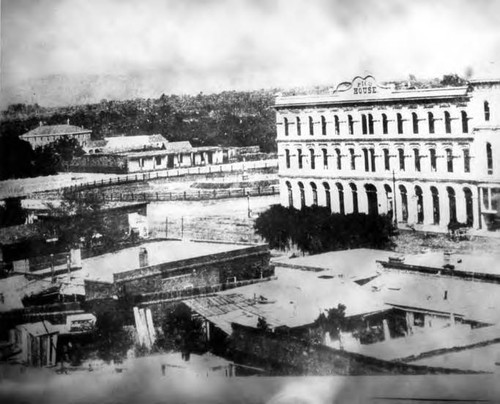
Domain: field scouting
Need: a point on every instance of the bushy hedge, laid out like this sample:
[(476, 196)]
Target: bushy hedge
[(314, 229)]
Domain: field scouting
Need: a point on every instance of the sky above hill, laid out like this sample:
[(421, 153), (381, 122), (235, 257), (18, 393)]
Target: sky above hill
[(130, 48)]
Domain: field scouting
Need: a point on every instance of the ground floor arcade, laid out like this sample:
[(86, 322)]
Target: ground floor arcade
[(413, 203)]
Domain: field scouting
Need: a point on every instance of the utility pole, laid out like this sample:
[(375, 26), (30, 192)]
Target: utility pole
[(248, 205), (394, 199)]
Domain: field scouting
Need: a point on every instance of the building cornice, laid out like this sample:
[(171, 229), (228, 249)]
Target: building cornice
[(388, 178), (367, 138)]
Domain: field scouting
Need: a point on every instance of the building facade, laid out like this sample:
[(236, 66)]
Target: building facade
[(46, 134), (427, 157)]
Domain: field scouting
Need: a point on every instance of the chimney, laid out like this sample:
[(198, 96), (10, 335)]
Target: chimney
[(143, 257)]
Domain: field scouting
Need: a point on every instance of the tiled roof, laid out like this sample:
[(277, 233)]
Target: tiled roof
[(179, 146), (60, 130)]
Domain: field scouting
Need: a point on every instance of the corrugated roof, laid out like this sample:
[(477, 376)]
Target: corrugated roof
[(60, 130)]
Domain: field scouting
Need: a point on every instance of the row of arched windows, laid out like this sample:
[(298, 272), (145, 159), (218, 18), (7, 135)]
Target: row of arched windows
[(373, 206), (369, 159), (367, 123)]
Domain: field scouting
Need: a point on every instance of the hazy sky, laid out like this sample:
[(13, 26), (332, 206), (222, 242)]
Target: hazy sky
[(211, 45)]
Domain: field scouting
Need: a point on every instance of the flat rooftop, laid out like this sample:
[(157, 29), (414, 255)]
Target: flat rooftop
[(295, 298), (353, 264), (102, 267), (473, 300), (478, 263)]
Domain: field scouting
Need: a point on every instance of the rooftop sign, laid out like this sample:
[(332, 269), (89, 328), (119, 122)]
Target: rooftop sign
[(361, 87)]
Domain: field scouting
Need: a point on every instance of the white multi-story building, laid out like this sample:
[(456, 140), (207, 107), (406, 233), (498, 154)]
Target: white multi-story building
[(435, 149)]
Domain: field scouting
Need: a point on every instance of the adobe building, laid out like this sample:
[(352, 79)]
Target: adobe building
[(426, 156), (154, 270)]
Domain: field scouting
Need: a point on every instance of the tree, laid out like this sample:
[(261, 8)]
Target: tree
[(81, 218), (315, 229), (332, 322), (182, 331), (111, 339), (453, 80), (16, 158), (12, 213)]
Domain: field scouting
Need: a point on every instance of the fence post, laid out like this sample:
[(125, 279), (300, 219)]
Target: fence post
[(258, 189), (184, 195), (157, 196), (166, 227)]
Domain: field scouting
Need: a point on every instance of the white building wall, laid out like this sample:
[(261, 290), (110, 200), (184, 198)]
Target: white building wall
[(480, 132)]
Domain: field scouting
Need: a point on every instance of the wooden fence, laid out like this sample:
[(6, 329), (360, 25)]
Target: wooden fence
[(178, 172)]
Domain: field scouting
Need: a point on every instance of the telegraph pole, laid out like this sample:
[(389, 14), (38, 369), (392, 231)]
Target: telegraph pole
[(394, 199)]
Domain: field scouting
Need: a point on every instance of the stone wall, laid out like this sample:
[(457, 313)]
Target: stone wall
[(285, 355), (251, 262), (100, 163)]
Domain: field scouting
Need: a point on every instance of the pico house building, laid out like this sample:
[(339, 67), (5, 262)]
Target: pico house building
[(428, 157)]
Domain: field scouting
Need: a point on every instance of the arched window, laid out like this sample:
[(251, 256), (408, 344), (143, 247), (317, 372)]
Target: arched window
[(350, 123), (486, 111), (313, 159), (324, 152), (302, 195), (387, 160), (466, 160), (299, 158), (354, 192), (433, 159), (489, 158), (364, 125), (314, 194), (414, 119), (327, 196), (299, 128), (340, 189), (420, 204), (465, 122), (447, 122), (337, 125), (290, 194), (401, 155), (370, 124), (323, 125), (339, 159), (385, 124), (404, 203), (435, 205), (469, 208), (372, 159), (371, 195), (452, 204), (287, 158), (311, 126), (390, 202), (449, 160), (399, 119), (430, 117), (353, 159), (285, 125), (416, 155), (365, 158)]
